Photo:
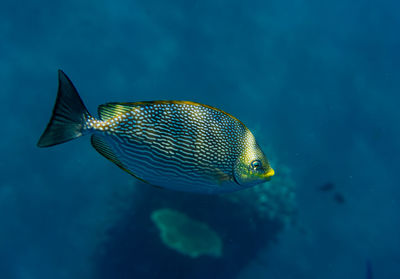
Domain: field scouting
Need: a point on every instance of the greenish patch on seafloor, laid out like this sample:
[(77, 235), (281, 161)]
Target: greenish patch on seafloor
[(185, 235)]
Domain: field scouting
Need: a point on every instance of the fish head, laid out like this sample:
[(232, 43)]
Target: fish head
[(252, 166)]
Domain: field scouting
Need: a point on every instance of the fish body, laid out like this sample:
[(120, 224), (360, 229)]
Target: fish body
[(178, 145)]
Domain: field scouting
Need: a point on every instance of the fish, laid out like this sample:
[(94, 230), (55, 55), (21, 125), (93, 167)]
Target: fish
[(328, 186), (339, 198), (178, 145)]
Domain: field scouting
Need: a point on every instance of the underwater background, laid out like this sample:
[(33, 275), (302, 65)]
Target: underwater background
[(317, 82)]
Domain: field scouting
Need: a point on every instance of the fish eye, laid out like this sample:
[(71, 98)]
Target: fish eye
[(256, 164)]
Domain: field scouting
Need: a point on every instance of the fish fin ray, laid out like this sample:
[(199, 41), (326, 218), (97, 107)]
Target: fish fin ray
[(69, 115), (221, 177), (111, 110), (104, 149)]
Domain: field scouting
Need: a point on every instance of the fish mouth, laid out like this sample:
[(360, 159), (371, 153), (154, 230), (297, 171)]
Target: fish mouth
[(268, 174)]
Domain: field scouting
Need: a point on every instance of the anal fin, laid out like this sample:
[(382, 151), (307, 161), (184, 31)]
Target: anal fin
[(101, 145)]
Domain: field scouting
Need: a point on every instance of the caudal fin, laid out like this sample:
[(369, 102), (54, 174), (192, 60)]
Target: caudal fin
[(69, 115)]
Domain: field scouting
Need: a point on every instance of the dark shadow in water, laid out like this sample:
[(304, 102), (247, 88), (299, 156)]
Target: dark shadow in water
[(133, 248)]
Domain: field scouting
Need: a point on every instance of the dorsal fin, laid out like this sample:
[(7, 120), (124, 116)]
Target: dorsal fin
[(101, 145), (111, 110)]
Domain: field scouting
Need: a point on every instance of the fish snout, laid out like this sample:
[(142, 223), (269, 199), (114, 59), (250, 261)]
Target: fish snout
[(268, 174)]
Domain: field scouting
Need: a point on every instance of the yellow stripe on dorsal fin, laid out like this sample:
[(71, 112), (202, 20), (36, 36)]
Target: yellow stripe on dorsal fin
[(111, 110), (101, 145)]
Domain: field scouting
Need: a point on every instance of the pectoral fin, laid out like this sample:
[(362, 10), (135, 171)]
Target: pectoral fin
[(221, 177)]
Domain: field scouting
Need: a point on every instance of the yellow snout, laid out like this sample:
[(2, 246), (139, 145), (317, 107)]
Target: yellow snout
[(269, 174)]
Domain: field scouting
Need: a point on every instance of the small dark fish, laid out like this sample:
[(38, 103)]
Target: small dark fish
[(339, 198), (329, 186), (179, 145)]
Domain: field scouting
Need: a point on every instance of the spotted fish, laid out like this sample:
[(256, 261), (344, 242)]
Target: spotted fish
[(178, 145)]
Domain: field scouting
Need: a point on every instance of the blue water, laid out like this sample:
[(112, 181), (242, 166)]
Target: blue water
[(318, 82)]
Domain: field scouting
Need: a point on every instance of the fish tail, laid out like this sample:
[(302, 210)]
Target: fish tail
[(69, 117)]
